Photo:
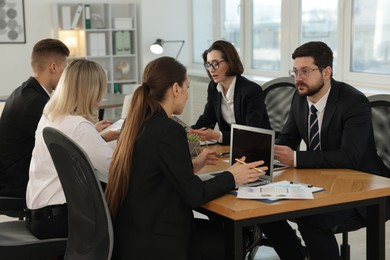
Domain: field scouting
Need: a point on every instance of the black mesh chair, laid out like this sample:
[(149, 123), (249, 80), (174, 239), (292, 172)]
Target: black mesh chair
[(278, 96), (380, 117), (380, 111), (90, 228)]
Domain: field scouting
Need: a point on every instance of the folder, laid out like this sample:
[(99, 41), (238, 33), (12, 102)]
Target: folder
[(65, 12), (126, 42), (76, 16), (87, 17), (118, 43)]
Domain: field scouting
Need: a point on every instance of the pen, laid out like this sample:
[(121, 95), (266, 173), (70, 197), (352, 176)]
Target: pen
[(223, 154), (238, 160), (308, 185)]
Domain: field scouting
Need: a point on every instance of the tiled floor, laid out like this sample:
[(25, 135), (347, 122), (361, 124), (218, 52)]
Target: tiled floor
[(357, 241)]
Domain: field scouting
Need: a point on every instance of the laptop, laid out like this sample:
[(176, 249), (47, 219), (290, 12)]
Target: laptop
[(255, 144)]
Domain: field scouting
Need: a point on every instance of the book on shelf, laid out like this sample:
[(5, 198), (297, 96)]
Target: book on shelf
[(65, 14)]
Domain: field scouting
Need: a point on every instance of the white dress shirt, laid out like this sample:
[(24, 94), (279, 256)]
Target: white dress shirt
[(44, 187), (227, 104)]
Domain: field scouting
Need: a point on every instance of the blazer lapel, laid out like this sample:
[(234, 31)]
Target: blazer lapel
[(330, 109), (218, 106), (304, 119), (237, 101)]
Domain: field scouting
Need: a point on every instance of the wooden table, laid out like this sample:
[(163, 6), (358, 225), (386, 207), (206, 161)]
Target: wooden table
[(110, 100), (344, 189)]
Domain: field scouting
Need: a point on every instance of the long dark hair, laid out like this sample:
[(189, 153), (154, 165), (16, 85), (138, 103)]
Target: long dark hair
[(159, 75)]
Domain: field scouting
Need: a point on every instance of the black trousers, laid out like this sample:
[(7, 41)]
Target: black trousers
[(210, 238), (317, 232), (284, 240), (48, 222)]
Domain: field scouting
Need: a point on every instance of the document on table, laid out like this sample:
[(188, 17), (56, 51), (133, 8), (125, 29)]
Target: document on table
[(277, 191), (116, 126)]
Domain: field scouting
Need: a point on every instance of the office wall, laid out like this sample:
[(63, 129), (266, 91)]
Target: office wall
[(168, 19)]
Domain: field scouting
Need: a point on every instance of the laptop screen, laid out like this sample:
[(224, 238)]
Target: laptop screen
[(253, 143)]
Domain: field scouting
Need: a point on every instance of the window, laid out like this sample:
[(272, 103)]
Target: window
[(231, 22), (319, 23), (202, 17), (371, 37), (358, 32), (266, 29)]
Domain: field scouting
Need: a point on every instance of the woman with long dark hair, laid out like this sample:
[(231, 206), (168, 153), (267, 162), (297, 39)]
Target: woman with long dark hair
[(152, 189)]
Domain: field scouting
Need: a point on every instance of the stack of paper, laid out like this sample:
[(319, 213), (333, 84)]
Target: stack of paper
[(277, 191)]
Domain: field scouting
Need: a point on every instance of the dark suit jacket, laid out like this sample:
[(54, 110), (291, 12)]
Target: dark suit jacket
[(347, 139), (156, 219), (249, 108), (18, 123)]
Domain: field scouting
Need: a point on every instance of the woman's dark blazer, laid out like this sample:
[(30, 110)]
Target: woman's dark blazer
[(249, 108), (156, 219)]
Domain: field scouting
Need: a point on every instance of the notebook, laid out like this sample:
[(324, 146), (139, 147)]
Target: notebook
[(255, 144)]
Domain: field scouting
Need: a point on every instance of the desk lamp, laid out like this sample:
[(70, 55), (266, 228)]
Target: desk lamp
[(157, 47)]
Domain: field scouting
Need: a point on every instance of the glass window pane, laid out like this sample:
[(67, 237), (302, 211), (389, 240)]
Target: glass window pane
[(371, 37), (319, 23), (202, 31), (266, 24), (231, 21)]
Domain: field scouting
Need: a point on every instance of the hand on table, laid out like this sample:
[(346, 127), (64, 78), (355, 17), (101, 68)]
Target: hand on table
[(206, 157)]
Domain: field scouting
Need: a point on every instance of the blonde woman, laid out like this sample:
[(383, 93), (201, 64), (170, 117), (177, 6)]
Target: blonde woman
[(72, 110)]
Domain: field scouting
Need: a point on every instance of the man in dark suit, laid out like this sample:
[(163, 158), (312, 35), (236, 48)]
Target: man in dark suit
[(338, 134), (22, 112)]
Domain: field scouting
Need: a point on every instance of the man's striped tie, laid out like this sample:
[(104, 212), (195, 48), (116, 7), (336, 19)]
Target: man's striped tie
[(314, 131)]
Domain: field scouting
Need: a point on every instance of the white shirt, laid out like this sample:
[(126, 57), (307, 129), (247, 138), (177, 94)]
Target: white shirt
[(49, 94), (44, 187), (227, 104)]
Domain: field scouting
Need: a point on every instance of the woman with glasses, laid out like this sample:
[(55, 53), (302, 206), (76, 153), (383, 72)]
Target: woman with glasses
[(231, 98)]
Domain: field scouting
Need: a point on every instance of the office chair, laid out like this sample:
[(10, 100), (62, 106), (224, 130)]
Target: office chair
[(380, 117), (90, 229), (278, 96)]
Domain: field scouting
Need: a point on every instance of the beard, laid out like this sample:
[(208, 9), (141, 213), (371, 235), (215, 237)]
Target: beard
[(306, 90)]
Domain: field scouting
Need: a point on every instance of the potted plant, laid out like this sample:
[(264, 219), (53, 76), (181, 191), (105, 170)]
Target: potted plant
[(193, 143)]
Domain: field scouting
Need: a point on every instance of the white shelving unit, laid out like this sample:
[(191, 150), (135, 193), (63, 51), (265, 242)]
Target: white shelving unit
[(102, 32)]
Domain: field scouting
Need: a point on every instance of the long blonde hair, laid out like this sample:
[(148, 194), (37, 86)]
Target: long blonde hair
[(79, 91), (159, 75)]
